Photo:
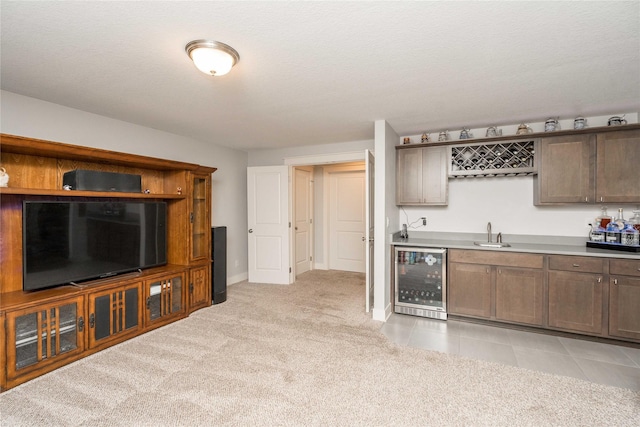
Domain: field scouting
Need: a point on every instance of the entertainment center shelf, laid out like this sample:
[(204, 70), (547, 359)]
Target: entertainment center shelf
[(93, 194), (42, 330)]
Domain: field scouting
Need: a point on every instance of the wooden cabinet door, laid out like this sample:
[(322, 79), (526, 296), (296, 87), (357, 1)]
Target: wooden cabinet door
[(43, 338), (200, 222), (618, 167), (575, 301), (199, 288), (435, 182), (115, 314), (470, 289), (421, 176), (566, 170), (624, 307), (164, 299), (519, 295), (409, 176)]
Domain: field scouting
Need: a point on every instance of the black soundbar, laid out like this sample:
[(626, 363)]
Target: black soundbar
[(88, 180)]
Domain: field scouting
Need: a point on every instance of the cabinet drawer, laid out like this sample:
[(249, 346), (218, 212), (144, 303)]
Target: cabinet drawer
[(576, 263), (625, 267), (509, 259)]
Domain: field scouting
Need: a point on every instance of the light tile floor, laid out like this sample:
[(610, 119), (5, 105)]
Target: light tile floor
[(592, 361)]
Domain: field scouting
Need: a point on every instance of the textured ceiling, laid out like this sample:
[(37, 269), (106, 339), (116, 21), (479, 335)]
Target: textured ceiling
[(323, 72)]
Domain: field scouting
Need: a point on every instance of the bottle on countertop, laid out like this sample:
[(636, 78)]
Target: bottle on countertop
[(635, 220), (629, 234), (596, 234), (619, 219), (604, 219), (615, 228)]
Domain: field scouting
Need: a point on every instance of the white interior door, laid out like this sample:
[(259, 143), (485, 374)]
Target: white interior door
[(268, 221), (302, 213), (347, 221), (369, 227)]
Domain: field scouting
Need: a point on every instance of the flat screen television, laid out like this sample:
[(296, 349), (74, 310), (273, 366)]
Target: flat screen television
[(71, 241)]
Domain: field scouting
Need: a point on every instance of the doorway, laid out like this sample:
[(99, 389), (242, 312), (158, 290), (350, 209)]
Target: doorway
[(346, 222)]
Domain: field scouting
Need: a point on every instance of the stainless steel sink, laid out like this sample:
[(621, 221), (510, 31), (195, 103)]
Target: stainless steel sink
[(492, 244)]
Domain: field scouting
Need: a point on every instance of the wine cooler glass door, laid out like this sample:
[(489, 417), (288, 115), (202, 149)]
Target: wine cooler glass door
[(421, 278)]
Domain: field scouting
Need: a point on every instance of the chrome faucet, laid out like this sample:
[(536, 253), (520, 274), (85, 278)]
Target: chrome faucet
[(499, 238), (489, 232)]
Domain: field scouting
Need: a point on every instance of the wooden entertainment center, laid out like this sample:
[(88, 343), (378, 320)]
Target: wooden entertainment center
[(46, 329)]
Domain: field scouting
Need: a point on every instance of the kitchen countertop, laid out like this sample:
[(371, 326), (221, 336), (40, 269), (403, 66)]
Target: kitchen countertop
[(553, 245)]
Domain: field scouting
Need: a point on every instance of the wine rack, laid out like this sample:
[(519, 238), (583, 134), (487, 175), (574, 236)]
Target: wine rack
[(509, 158)]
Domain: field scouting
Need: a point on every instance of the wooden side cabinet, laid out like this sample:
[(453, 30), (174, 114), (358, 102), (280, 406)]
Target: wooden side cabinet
[(624, 299), (43, 337), (199, 288), (115, 314), (421, 176)]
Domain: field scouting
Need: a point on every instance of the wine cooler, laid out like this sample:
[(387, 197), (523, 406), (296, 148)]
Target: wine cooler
[(421, 282)]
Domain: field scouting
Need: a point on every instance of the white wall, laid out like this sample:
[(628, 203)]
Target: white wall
[(273, 157), (507, 202), (386, 215), (34, 118)]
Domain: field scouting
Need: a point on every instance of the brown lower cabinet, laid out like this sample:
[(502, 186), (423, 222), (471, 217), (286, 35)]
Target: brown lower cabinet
[(114, 314), (519, 295), (576, 293), (470, 289), (43, 338), (596, 296), (624, 299), (575, 301), (199, 287), (496, 286), (165, 299)]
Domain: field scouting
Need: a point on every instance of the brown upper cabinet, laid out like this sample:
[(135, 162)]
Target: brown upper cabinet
[(589, 168), (421, 176)]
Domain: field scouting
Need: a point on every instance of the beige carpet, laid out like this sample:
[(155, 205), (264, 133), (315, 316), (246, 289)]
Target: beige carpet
[(301, 355)]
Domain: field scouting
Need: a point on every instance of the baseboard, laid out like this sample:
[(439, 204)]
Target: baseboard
[(382, 315), (237, 278), (320, 266)]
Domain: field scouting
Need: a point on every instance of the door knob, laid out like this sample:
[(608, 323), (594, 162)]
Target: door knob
[(251, 230)]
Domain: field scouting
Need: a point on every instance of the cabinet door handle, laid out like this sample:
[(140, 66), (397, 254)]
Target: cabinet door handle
[(586, 199), (576, 265), (615, 281), (487, 270), (92, 320), (599, 279), (601, 199), (81, 324)]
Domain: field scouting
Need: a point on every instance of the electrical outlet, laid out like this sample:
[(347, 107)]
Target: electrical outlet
[(424, 220)]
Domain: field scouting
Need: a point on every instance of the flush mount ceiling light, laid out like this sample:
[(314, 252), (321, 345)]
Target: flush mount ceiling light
[(211, 57)]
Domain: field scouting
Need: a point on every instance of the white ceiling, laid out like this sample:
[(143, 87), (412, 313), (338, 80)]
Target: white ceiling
[(323, 72)]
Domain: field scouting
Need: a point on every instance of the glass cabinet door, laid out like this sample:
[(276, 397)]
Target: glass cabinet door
[(199, 222), (164, 298), (44, 334), (114, 312)]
